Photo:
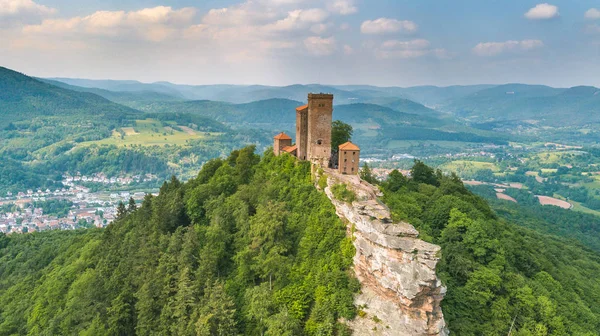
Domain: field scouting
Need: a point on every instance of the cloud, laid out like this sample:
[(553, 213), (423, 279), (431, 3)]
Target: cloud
[(320, 28), (385, 25), (298, 19), (414, 44), (320, 46), (496, 48), (348, 50), (592, 14), (152, 24), (23, 12), (542, 11), (408, 49), (342, 7)]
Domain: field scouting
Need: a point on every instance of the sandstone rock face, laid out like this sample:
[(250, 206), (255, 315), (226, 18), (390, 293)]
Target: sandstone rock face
[(400, 292)]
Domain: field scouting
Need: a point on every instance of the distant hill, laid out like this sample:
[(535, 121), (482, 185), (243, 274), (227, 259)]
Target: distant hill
[(128, 98), (121, 85), (536, 104), (278, 111), (23, 97)]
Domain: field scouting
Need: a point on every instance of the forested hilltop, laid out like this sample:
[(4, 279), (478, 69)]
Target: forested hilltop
[(251, 247), (498, 274), (247, 247)]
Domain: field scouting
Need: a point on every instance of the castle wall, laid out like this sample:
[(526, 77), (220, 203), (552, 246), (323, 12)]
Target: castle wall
[(320, 110), (302, 133)]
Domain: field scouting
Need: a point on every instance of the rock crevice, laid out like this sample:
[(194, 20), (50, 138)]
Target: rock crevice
[(400, 291)]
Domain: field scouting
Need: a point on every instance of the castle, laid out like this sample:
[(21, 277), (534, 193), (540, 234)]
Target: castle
[(313, 137)]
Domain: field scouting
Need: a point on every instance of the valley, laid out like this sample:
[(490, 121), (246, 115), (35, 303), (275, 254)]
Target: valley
[(506, 201)]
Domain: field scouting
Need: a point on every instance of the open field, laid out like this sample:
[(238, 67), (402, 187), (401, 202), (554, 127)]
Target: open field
[(129, 131), (150, 133), (469, 167), (505, 197), (188, 130), (547, 200), (580, 208), (404, 144)]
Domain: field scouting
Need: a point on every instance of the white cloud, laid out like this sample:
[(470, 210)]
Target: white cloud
[(385, 25), (152, 24), (298, 19), (320, 28), (22, 11), (246, 13), (592, 14), (342, 7), (320, 46), (411, 45), (496, 48), (542, 11), (348, 50), (408, 49)]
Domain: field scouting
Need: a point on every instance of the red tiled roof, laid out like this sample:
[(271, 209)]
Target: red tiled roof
[(290, 149), (349, 146), (301, 108), (282, 136)]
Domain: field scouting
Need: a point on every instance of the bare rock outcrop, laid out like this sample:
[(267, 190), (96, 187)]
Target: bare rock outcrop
[(400, 293)]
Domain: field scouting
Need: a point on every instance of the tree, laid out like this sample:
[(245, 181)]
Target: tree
[(121, 211), (421, 173), (340, 133), (217, 316), (366, 174), (131, 207), (395, 181)]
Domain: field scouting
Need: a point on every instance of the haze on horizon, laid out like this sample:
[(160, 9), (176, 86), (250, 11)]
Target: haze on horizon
[(282, 42)]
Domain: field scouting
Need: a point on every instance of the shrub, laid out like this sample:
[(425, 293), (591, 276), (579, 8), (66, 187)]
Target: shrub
[(342, 193)]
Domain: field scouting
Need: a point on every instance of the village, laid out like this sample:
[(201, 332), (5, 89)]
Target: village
[(88, 201)]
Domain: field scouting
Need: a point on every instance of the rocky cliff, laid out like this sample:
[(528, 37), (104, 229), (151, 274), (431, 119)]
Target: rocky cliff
[(400, 292)]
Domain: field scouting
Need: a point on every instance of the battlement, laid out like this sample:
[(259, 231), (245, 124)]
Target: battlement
[(320, 96)]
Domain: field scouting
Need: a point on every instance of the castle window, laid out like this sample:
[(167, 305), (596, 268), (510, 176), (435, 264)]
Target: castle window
[(353, 153), (345, 160), (352, 169), (319, 142)]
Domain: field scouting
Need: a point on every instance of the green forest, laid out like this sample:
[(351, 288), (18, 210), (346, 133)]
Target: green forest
[(250, 247), (247, 247), (499, 273)]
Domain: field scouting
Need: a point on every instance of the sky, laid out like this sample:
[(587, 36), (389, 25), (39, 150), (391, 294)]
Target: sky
[(282, 42)]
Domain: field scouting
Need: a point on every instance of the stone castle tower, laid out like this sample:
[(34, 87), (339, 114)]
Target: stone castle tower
[(318, 139), (313, 129)]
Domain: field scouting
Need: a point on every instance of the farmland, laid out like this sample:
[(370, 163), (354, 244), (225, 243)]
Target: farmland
[(151, 132)]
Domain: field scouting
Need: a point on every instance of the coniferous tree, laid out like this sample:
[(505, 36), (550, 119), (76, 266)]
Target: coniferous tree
[(131, 207), (366, 174), (121, 211), (217, 315)]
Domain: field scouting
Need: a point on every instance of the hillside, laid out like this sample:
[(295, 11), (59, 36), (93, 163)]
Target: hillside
[(497, 273), (251, 247), (128, 98), (22, 97), (538, 105), (247, 247), (48, 130)]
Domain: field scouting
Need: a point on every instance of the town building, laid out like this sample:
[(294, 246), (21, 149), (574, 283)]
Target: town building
[(349, 155)]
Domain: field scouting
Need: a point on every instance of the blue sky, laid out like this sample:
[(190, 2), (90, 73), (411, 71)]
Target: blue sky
[(278, 42)]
